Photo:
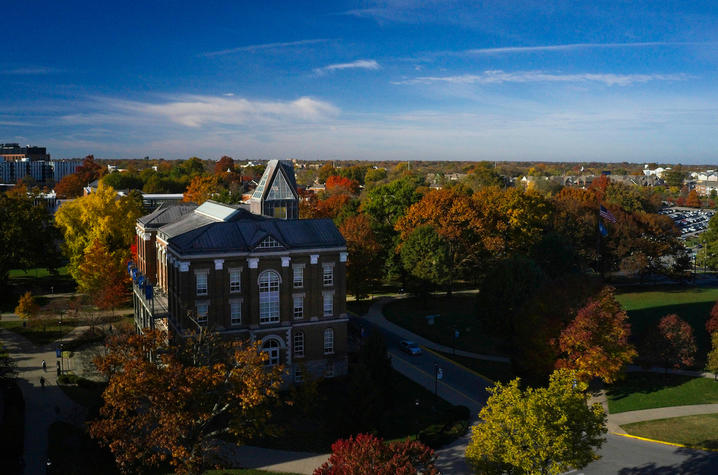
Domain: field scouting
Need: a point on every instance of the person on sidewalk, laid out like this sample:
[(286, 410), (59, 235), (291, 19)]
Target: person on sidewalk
[(44, 366), (42, 382)]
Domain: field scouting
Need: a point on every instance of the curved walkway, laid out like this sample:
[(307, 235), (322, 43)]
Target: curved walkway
[(661, 413)]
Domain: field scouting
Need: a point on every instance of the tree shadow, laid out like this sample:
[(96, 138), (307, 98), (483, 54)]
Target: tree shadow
[(645, 383), (698, 462)]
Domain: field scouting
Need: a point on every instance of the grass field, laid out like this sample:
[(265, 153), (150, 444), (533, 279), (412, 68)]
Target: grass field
[(454, 312), (695, 431), (692, 304), (36, 272), (650, 390)]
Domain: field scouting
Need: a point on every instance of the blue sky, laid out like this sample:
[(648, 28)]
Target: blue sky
[(425, 80)]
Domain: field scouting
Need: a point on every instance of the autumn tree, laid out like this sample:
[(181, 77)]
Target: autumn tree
[(364, 251), (482, 175), (548, 430), (224, 165), (712, 322), (103, 218), (671, 343), (69, 186), (165, 403), (712, 361), (27, 308), (595, 344), (336, 184), (201, 188), (104, 276), (366, 453), (325, 171)]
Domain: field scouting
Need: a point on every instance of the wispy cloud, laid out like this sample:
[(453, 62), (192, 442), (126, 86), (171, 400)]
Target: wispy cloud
[(575, 46), (358, 64), (198, 111), (266, 46), (30, 70), (500, 77)]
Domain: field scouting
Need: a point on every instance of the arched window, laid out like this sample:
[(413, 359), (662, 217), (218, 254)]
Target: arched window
[(271, 347), (328, 341), (269, 297), (298, 344)]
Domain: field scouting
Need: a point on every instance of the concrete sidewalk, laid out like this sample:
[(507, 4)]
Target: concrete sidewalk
[(376, 316), (661, 413)]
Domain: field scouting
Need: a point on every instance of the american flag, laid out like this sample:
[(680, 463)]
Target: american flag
[(605, 214)]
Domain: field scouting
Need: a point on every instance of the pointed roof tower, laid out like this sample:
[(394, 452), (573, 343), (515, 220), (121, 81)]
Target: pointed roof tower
[(276, 194)]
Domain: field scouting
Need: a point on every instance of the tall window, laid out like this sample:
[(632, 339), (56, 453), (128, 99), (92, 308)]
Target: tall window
[(298, 374), (298, 277), (202, 312), (235, 313), (328, 305), (298, 307), (328, 341), (234, 280), (201, 283), (299, 344), (271, 347), (269, 297), (328, 276)]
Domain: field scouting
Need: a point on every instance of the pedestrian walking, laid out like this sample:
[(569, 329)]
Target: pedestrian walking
[(44, 366), (42, 381)]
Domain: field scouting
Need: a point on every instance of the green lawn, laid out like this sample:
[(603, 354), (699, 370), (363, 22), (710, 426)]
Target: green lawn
[(695, 431), (38, 333), (650, 390), (37, 272), (457, 311), (692, 304)]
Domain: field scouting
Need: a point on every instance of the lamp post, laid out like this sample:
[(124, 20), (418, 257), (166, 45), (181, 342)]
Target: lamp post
[(417, 405), (438, 374)]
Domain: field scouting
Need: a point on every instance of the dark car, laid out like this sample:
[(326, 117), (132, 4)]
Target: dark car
[(410, 347)]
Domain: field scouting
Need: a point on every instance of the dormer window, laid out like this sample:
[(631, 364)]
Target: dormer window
[(268, 243)]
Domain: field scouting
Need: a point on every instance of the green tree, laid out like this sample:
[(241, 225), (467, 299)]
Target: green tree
[(482, 175), (538, 430), (123, 181), (426, 258), (675, 176)]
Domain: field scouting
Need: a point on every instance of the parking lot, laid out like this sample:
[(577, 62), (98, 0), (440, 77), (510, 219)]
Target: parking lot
[(689, 221)]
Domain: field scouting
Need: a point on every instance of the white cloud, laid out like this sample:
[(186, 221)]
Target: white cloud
[(197, 111), (358, 64), (575, 46), (30, 70), (265, 46), (500, 77)]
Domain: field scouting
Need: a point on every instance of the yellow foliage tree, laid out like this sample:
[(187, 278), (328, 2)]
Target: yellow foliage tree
[(104, 218), (26, 308), (540, 430)]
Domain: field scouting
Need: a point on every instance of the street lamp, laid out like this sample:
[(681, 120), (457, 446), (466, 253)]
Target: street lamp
[(438, 374)]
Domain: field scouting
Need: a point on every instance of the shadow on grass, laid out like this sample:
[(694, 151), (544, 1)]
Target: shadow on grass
[(697, 462), (645, 383)]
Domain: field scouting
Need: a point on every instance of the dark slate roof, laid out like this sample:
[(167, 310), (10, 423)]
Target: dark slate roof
[(166, 213), (197, 234)]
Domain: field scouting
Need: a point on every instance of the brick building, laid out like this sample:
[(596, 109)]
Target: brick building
[(247, 275)]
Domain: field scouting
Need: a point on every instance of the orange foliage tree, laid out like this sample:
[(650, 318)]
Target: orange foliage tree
[(223, 165), (70, 186), (595, 344), (27, 308), (340, 184), (712, 323), (200, 189), (164, 403), (364, 250), (369, 454), (693, 200), (105, 278), (671, 343)]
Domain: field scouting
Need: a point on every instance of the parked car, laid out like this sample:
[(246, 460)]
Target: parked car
[(410, 347)]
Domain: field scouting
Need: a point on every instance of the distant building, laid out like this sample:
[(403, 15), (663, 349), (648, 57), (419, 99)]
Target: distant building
[(13, 151), (62, 168), (250, 271)]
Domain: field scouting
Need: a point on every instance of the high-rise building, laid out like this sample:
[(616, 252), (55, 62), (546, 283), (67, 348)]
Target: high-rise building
[(13, 151)]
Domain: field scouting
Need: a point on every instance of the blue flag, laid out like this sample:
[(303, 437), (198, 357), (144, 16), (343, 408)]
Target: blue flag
[(602, 229)]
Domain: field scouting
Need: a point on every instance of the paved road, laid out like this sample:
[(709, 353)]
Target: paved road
[(621, 455)]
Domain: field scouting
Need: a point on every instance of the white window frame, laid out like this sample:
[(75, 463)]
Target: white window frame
[(269, 303), (298, 374), (202, 317), (298, 345), (298, 307), (328, 275), (328, 304), (274, 352), (205, 275), (269, 243), (298, 277), (235, 305), (329, 341), (235, 286)]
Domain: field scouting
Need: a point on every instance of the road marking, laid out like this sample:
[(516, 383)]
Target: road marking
[(439, 355), (440, 382), (664, 442)]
